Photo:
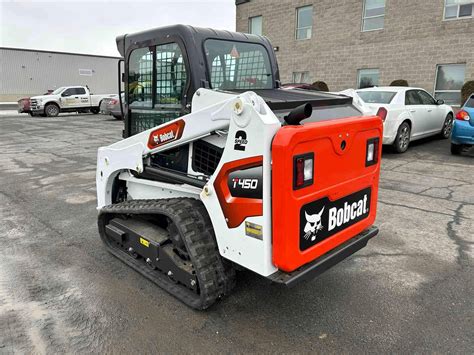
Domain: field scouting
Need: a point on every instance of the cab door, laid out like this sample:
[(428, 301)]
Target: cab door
[(83, 97), (69, 99), (156, 87)]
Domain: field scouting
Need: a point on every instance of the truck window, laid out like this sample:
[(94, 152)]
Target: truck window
[(69, 92), (80, 91), (237, 65)]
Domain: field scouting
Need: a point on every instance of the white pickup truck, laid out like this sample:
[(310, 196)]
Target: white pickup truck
[(66, 99)]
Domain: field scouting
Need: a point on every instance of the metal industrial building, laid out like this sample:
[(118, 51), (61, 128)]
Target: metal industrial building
[(26, 72), (355, 43)]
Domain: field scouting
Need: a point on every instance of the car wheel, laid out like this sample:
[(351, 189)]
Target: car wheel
[(402, 139), (51, 110), (456, 149), (32, 114), (447, 126)]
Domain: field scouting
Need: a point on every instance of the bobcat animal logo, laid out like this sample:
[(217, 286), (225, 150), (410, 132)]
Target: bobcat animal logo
[(313, 225)]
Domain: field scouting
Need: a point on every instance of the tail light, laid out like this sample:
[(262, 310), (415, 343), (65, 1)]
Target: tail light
[(372, 152), (113, 102), (382, 113), (463, 116), (303, 170)]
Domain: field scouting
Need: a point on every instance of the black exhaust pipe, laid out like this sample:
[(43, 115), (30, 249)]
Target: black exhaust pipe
[(298, 114)]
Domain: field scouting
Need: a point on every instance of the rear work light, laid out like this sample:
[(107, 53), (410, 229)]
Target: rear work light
[(303, 167), (382, 113), (372, 152), (463, 116)]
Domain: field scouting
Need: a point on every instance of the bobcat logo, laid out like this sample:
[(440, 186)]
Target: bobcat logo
[(313, 225)]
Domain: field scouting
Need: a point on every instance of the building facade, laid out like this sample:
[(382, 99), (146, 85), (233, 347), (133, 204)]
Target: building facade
[(25, 72), (359, 43)]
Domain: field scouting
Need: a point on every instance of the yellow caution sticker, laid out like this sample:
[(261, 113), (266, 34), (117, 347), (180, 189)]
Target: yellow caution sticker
[(144, 242), (253, 230)]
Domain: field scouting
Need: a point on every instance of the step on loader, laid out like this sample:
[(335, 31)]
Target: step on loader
[(222, 169)]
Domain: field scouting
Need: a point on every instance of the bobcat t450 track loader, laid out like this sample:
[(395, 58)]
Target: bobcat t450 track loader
[(220, 167)]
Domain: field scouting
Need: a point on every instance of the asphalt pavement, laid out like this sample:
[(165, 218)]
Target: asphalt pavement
[(411, 290)]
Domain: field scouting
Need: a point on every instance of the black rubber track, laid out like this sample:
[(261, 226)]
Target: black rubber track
[(216, 276)]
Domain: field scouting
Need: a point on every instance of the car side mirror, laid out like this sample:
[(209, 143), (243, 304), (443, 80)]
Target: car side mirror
[(440, 102), (65, 94)]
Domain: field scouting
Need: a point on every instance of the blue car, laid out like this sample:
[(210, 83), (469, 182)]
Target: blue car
[(463, 127)]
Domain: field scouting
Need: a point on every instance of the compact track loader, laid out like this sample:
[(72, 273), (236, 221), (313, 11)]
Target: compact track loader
[(222, 169)]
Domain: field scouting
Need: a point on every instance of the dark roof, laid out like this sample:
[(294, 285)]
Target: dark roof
[(56, 52), (197, 34)]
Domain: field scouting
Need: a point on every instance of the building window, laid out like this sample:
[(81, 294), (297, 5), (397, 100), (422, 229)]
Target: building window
[(374, 15), (454, 9), (304, 22), (255, 25), (86, 72), (367, 78), (449, 81), (301, 77)]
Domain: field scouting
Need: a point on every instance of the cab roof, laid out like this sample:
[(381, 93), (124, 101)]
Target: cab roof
[(188, 33)]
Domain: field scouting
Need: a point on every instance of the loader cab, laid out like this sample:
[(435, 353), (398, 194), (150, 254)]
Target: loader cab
[(164, 67)]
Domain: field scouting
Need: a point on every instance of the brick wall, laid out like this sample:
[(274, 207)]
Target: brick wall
[(414, 40)]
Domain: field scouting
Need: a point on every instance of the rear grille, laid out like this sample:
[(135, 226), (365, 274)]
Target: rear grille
[(206, 157)]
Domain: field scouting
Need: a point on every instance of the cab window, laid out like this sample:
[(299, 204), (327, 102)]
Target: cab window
[(140, 72), (171, 75), (80, 91), (238, 65), (157, 80)]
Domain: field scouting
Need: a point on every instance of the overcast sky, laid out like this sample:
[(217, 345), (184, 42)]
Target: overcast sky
[(90, 26)]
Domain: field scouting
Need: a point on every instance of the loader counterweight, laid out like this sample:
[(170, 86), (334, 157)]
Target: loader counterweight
[(341, 200)]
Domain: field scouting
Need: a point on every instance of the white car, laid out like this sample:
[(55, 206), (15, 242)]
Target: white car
[(408, 114)]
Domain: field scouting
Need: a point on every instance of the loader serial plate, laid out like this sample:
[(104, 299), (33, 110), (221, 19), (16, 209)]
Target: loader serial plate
[(323, 218)]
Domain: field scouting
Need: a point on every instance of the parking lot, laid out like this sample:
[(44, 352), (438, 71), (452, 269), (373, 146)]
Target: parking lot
[(410, 290)]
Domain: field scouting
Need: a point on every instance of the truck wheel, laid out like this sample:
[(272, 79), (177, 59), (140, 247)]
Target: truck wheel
[(456, 149), (95, 110), (402, 139), (51, 110), (447, 126)]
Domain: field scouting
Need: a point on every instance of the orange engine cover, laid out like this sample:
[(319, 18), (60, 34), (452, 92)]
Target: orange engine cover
[(340, 202)]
